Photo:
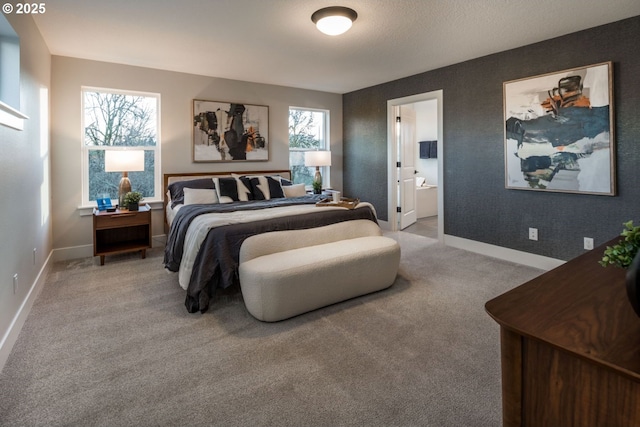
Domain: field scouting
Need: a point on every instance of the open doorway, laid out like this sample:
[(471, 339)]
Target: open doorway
[(428, 115)]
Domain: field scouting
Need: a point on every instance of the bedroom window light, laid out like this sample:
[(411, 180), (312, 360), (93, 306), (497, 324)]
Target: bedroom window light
[(114, 120), (308, 131)]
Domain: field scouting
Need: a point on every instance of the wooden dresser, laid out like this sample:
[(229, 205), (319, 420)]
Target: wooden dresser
[(570, 345)]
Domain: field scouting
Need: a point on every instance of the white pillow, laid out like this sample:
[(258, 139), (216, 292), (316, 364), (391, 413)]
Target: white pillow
[(196, 196), (295, 190)]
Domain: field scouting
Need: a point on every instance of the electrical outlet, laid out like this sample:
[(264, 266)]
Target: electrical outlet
[(588, 243), (15, 283), (533, 234)]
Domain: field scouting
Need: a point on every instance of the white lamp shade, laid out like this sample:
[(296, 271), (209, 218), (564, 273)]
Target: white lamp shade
[(123, 160), (317, 158)]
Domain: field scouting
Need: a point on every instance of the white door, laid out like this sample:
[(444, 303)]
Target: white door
[(393, 184), (407, 146)]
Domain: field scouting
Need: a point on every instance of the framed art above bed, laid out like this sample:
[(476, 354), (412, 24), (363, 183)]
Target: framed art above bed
[(229, 132)]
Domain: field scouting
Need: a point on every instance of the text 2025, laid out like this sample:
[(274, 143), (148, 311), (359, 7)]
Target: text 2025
[(30, 8)]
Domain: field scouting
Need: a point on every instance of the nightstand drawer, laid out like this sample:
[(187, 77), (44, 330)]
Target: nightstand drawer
[(122, 219)]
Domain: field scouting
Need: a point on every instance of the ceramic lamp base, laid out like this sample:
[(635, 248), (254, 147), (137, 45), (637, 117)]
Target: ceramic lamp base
[(123, 189)]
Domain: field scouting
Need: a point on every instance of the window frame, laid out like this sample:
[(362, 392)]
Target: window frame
[(85, 149), (326, 141), (10, 114)]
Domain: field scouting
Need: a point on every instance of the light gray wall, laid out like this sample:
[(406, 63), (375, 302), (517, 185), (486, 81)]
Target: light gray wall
[(177, 91), (25, 220)]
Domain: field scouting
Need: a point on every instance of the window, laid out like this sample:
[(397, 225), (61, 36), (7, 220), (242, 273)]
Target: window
[(10, 77), (308, 130), (117, 120)]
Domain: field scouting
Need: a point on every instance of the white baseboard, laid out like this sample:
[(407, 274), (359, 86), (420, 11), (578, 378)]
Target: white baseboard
[(86, 251), (519, 257), (73, 252), (11, 335)]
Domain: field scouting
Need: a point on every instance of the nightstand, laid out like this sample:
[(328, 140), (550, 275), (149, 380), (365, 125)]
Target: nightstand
[(121, 231)]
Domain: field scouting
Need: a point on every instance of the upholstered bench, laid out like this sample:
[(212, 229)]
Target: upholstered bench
[(286, 273)]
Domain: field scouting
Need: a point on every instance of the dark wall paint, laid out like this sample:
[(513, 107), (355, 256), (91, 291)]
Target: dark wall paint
[(476, 204)]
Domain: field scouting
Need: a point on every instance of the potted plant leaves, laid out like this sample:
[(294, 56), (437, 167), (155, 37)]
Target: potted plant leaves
[(622, 253), (317, 187), (625, 254), (132, 200)]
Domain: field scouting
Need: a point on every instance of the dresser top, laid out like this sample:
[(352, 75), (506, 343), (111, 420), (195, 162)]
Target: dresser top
[(580, 307)]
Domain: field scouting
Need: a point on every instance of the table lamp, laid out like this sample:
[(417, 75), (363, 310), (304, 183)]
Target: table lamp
[(124, 161), (317, 159)]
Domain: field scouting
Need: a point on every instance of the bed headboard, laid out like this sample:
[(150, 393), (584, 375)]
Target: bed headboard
[(169, 178)]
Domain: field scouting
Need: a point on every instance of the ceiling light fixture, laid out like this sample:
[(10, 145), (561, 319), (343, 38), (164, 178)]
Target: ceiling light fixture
[(334, 20)]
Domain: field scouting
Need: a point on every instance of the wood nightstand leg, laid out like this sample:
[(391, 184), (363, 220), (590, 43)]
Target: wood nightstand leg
[(144, 253), (101, 259)]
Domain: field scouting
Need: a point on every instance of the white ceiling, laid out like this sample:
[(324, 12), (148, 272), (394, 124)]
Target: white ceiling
[(275, 42)]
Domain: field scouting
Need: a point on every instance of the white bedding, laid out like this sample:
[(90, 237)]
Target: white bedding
[(171, 213)]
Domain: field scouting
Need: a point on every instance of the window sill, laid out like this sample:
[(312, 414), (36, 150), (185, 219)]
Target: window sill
[(11, 117), (88, 210)]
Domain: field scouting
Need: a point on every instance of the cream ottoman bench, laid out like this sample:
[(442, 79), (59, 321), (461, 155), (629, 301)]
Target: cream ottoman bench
[(286, 273)]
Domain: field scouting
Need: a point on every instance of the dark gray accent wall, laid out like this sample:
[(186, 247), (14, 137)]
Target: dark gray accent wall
[(476, 204)]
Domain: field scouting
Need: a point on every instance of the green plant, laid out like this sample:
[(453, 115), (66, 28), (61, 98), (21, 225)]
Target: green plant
[(622, 253), (132, 198), (317, 187)]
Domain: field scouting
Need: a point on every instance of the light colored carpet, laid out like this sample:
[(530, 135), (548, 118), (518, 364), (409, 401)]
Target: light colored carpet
[(115, 346)]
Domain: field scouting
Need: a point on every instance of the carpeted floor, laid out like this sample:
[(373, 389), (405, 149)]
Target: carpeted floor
[(114, 346)]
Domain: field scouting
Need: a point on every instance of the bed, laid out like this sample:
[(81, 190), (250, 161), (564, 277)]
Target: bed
[(209, 215)]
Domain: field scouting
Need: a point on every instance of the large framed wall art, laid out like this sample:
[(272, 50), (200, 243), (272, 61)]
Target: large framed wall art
[(559, 132), (230, 132)]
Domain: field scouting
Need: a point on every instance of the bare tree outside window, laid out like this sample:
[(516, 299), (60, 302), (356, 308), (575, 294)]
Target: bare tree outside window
[(115, 120), (307, 130)]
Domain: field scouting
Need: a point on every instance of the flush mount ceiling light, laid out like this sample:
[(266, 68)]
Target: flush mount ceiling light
[(334, 20)]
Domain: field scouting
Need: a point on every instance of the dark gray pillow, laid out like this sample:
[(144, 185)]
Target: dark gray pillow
[(228, 187), (176, 190)]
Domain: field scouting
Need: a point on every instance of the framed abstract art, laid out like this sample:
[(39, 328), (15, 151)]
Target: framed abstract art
[(559, 132), (229, 132)]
